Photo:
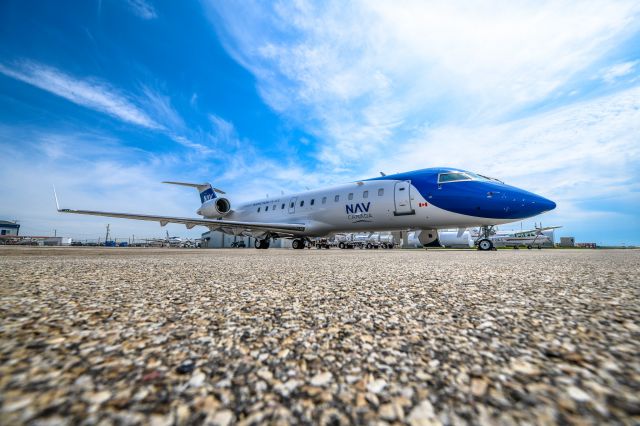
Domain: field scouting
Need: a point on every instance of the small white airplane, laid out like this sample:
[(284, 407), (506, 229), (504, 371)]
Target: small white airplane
[(529, 238), (427, 199)]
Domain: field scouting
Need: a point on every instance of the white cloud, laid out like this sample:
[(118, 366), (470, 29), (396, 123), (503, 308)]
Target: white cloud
[(615, 72), (143, 9), (89, 93), (361, 76), (152, 110), (159, 106), (223, 131), (90, 171), (585, 151)]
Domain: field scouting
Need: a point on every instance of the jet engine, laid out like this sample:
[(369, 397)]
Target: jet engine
[(429, 238), (218, 207)]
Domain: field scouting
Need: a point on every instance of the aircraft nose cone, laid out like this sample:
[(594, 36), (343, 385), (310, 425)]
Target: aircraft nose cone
[(547, 204), (543, 204)]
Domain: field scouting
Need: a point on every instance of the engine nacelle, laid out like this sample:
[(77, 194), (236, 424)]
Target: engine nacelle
[(218, 207), (427, 237)]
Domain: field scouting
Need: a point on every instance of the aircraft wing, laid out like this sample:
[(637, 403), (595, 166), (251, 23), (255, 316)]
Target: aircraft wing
[(546, 228), (285, 228)]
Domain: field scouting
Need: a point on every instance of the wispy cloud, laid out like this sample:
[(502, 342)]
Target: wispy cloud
[(223, 131), (150, 109), (143, 9), (617, 71), (90, 93)]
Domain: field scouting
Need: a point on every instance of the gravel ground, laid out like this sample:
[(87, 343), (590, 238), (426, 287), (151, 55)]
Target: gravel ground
[(128, 336)]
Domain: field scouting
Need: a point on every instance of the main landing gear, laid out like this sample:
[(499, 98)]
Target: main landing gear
[(262, 244), (484, 243), (297, 244)]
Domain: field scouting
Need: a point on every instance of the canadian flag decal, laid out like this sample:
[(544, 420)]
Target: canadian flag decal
[(422, 204)]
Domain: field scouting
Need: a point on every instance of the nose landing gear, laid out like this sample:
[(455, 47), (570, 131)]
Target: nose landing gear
[(483, 242)]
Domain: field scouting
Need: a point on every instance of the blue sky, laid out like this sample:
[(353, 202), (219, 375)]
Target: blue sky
[(108, 98)]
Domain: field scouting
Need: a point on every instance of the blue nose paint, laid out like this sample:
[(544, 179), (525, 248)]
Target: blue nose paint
[(479, 198)]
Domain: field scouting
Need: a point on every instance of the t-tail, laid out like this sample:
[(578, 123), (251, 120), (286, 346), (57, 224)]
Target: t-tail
[(207, 192)]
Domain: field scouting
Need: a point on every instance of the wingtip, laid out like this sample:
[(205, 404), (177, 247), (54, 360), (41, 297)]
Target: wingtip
[(55, 195)]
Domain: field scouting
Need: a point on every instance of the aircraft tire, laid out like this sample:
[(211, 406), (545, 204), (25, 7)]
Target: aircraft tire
[(297, 244), (341, 245), (485, 245), (369, 246)]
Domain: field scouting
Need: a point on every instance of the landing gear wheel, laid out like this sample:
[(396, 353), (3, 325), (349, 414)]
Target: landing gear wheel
[(369, 246), (485, 245), (297, 244), (341, 245), (261, 244)]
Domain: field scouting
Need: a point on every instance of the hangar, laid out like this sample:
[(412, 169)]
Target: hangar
[(9, 228)]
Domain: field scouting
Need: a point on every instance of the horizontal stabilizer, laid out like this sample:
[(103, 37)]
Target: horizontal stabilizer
[(199, 186)]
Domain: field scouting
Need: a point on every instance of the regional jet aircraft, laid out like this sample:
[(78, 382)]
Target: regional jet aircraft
[(427, 199)]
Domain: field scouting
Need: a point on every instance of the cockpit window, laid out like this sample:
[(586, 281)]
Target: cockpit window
[(475, 176), (460, 176), (452, 177)]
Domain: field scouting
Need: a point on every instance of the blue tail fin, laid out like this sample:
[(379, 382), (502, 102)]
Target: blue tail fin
[(206, 191)]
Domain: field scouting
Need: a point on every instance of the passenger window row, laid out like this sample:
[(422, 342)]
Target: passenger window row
[(312, 202)]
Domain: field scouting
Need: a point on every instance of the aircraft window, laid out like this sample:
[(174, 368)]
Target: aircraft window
[(291, 205), (266, 209), (380, 192), (365, 194), (452, 177), (324, 200), (313, 201), (258, 209), (477, 176), (301, 203), (274, 207), (282, 206), (337, 198), (351, 196)]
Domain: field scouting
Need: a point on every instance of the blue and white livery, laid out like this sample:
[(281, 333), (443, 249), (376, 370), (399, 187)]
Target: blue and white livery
[(427, 199)]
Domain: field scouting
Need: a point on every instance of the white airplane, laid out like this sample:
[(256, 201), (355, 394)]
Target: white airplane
[(529, 238), (427, 199)]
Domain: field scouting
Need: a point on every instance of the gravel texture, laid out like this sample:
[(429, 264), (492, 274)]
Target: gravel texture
[(137, 336)]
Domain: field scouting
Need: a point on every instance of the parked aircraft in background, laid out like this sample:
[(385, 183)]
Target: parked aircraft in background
[(529, 238), (427, 199), (465, 238)]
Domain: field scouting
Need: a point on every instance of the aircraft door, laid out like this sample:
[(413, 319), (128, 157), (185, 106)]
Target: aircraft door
[(292, 204), (402, 198)]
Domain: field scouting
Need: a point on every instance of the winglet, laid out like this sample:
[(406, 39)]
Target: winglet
[(56, 197)]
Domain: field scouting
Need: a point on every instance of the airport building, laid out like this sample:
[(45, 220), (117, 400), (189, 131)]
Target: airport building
[(9, 228), (567, 242)]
